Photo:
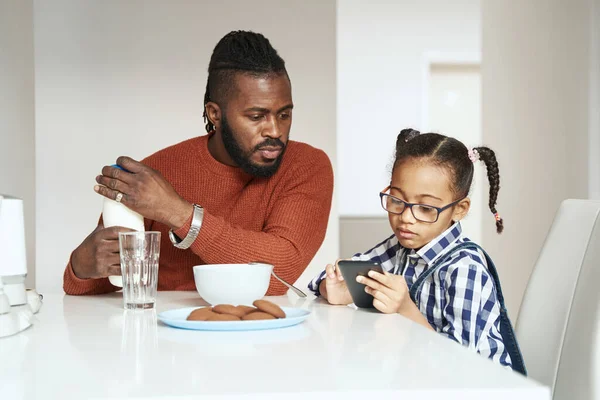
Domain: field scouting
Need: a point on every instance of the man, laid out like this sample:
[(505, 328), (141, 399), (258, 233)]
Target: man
[(241, 193)]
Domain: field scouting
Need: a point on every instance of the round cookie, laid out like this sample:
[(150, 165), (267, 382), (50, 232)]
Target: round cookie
[(201, 314), (246, 309), (229, 309), (223, 317), (256, 316), (269, 308)]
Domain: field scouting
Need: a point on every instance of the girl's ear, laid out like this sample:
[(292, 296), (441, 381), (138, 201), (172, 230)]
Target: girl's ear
[(461, 209)]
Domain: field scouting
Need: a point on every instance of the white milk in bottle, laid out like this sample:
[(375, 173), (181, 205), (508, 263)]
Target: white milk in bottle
[(117, 214)]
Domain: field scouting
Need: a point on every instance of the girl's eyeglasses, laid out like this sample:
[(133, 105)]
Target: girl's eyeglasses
[(421, 212)]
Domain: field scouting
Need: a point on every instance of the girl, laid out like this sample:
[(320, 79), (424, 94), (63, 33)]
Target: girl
[(435, 276)]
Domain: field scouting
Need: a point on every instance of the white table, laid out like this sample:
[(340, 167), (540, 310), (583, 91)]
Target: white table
[(89, 347)]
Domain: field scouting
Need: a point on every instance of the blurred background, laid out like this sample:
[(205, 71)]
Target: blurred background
[(83, 81)]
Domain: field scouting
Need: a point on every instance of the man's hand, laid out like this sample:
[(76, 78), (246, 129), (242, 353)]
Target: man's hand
[(145, 191), (98, 255)]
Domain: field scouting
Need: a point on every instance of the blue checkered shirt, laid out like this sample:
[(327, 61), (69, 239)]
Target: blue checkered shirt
[(459, 300)]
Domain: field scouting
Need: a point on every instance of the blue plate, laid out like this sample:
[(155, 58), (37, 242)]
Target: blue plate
[(177, 319)]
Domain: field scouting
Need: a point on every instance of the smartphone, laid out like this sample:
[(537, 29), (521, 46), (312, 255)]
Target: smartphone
[(350, 270)]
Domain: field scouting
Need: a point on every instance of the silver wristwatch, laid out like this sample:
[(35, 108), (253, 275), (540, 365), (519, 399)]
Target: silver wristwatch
[(192, 233)]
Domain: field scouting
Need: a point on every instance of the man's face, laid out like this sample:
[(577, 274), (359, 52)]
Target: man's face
[(256, 122)]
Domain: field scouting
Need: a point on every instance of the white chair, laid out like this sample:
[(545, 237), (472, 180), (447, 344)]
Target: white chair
[(559, 322)]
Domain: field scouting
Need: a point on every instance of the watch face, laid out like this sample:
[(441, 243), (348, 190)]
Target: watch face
[(174, 239)]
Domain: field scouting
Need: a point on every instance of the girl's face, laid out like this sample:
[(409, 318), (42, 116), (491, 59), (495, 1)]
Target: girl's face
[(420, 181)]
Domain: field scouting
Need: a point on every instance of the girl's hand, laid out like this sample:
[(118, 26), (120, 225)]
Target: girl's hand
[(333, 287), (390, 291)]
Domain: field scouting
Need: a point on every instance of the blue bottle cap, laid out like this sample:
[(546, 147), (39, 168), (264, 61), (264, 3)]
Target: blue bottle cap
[(119, 167)]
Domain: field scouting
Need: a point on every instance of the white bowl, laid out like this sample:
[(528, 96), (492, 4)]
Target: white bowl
[(116, 280), (232, 283)]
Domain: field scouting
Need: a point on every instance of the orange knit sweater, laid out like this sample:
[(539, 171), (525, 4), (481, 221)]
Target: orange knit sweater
[(281, 220)]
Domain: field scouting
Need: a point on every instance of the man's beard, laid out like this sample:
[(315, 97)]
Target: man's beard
[(242, 159)]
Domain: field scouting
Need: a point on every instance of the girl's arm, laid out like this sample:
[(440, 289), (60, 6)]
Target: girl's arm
[(472, 311), (392, 296), (411, 312)]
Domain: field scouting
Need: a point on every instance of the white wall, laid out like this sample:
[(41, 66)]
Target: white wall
[(128, 77), (381, 49), (17, 156), (594, 128), (454, 105), (536, 69)]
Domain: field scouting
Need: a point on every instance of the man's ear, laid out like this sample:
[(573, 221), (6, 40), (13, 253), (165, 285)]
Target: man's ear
[(214, 114)]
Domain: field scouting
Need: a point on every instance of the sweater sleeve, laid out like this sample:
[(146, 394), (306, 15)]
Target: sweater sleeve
[(75, 286), (292, 234)]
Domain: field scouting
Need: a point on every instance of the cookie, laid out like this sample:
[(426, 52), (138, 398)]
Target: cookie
[(256, 316), (223, 317), (228, 309), (201, 314), (269, 308), (246, 309)]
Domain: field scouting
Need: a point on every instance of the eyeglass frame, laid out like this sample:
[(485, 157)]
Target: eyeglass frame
[(410, 205)]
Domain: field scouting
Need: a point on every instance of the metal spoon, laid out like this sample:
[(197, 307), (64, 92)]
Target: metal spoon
[(289, 286)]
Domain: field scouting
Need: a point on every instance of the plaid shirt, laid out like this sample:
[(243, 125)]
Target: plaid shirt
[(459, 300)]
